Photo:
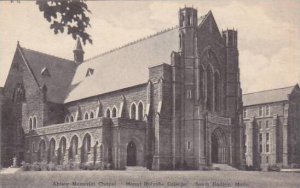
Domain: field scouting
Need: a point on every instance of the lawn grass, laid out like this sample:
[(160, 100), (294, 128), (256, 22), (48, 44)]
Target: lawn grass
[(45, 179)]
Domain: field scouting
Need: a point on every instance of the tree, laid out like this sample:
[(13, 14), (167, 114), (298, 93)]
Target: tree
[(70, 15)]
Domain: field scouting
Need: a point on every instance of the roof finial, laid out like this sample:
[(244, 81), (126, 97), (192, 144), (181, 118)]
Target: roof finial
[(78, 44)]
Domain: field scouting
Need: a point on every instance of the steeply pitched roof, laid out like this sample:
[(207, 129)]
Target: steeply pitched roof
[(61, 72), (125, 66), (267, 96)]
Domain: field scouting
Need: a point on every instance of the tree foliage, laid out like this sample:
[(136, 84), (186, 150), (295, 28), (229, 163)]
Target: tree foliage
[(67, 16)]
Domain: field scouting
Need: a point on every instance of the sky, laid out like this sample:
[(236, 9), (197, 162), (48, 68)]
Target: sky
[(268, 33)]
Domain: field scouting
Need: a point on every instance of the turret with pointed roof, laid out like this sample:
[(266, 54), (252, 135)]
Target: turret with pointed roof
[(78, 52)]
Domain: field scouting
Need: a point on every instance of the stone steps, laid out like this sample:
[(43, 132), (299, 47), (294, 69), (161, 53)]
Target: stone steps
[(224, 167), (136, 168)]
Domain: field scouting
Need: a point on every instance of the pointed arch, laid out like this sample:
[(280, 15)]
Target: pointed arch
[(133, 111), (140, 111), (67, 120), (114, 112), (62, 149), (92, 115), (86, 115), (86, 147), (42, 151), (52, 150), (219, 150), (30, 123), (74, 147), (34, 122), (107, 113), (131, 154)]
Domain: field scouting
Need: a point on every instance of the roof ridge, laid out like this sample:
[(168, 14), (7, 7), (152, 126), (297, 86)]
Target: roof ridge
[(141, 39), (132, 43), (269, 90), (47, 54)]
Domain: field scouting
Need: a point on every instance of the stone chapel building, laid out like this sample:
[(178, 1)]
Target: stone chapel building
[(169, 100)]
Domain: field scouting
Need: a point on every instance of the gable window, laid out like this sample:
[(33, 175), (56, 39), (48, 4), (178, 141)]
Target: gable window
[(45, 72), (260, 111), (18, 93), (89, 72)]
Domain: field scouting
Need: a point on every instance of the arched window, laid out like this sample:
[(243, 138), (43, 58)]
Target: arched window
[(71, 118), (108, 113), (62, 150), (30, 123), (67, 119), (133, 111), (74, 147), (140, 111), (201, 82), (86, 115), (210, 88), (19, 93), (87, 142), (42, 151), (217, 91), (86, 147), (114, 112), (92, 115), (52, 150), (34, 122)]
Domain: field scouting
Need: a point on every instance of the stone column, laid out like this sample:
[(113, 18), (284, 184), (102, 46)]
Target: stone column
[(90, 155), (77, 157), (65, 157)]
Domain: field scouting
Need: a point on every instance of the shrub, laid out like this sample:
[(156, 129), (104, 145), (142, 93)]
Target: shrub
[(108, 166), (51, 166), (59, 167), (274, 168), (36, 166), (44, 166), (25, 166)]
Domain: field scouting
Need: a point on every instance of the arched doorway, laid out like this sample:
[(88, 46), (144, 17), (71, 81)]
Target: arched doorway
[(214, 149), (218, 146), (131, 154)]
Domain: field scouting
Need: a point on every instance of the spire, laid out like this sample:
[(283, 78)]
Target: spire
[(78, 52)]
